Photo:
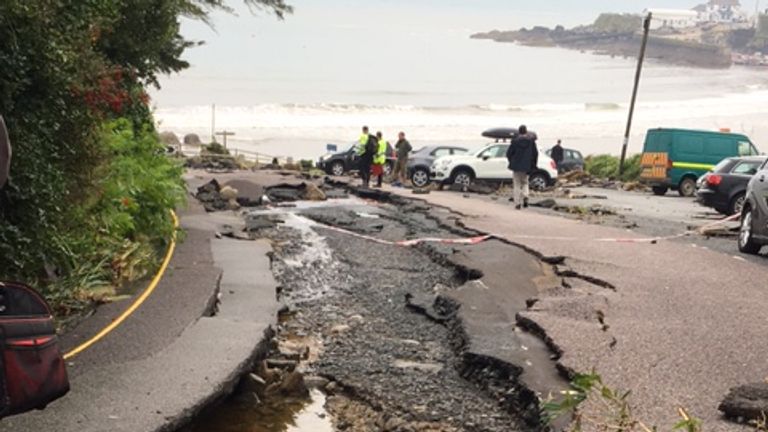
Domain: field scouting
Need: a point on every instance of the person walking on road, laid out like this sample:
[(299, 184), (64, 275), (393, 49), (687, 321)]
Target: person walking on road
[(366, 149), (523, 157), (403, 149), (380, 159), (558, 155)]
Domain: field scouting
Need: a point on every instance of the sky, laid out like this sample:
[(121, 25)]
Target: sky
[(316, 22)]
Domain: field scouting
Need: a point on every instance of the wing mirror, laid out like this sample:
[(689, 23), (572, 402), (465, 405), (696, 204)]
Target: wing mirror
[(486, 157)]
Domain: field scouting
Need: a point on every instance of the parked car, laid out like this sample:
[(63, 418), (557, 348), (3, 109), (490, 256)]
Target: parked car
[(490, 163), (572, 160), (343, 162), (420, 162), (725, 187), (753, 234), (676, 158)]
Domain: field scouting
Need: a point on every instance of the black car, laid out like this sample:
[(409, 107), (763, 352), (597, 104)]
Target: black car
[(725, 187), (753, 234), (572, 160), (420, 162), (343, 162)]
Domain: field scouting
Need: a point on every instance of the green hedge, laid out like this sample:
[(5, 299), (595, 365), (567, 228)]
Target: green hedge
[(607, 166)]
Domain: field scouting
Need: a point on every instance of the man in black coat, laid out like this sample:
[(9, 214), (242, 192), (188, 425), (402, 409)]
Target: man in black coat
[(558, 155), (523, 156)]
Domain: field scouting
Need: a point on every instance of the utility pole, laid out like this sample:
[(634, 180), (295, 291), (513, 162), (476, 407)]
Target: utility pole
[(213, 122), (225, 134), (646, 31)]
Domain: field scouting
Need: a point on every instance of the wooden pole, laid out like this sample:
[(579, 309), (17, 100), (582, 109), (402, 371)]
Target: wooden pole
[(643, 46)]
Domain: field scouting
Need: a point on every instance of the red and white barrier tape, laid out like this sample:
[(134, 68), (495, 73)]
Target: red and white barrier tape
[(410, 243)]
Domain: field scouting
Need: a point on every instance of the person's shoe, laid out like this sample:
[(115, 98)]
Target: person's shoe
[(511, 199), (525, 203), (518, 207)]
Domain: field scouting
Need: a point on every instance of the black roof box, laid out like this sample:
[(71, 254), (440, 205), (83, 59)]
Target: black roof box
[(500, 133)]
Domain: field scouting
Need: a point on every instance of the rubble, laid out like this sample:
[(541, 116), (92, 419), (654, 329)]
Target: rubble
[(747, 402)]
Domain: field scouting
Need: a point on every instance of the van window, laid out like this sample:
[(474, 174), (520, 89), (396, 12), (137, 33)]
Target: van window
[(656, 141), (746, 149)]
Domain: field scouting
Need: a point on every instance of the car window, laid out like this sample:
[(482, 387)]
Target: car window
[(441, 152), (568, 154), (746, 168), (458, 151), (494, 151), (577, 155), (723, 165)]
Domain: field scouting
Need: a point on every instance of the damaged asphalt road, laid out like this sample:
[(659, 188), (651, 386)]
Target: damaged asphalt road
[(424, 338)]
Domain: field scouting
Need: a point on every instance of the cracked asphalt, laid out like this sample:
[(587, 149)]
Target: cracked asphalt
[(684, 325)]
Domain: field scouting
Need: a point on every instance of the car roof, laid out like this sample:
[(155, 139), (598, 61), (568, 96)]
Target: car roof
[(760, 158)]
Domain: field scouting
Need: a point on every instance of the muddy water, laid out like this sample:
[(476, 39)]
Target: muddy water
[(242, 415)]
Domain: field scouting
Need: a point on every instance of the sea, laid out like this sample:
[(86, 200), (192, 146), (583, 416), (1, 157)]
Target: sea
[(445, 88)]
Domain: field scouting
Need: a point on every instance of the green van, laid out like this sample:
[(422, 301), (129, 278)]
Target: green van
[(676, 158)]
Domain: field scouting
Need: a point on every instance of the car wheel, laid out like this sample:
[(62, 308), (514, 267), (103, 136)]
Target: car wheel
[(746, 242), (337, 168), (538, 181), (388, 169), (687, 187), (462, 177), (737, 204), (660, 190), (420, 177)]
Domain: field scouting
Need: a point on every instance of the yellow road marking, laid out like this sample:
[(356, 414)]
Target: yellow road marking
[(138, 302)]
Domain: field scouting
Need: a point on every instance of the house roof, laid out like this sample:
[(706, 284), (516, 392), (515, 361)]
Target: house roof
[(732, 3)]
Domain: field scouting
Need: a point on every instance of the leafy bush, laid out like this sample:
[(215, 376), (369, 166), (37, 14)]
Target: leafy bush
[(607, 166)]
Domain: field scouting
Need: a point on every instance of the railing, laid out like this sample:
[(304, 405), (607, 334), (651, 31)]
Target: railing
[(236, 153)]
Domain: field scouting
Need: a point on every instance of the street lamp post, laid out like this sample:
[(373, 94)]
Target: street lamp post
[(646, 31)]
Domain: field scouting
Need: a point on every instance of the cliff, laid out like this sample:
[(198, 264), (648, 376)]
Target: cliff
[(613, 35)]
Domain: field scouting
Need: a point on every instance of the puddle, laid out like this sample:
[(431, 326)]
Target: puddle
[(277, 416)]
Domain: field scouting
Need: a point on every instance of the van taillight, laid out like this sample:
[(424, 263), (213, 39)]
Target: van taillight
[(553, 164), (714, 180), (670, 164)]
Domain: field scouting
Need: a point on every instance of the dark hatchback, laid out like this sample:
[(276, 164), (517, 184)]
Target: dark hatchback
[(725, 187), (343, 162), (420, 162)]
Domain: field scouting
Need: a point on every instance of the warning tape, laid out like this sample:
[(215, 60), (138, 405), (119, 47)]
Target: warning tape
[(410, 243)]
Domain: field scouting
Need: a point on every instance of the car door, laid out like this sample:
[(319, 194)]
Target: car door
[(759, 188), (494, 164)]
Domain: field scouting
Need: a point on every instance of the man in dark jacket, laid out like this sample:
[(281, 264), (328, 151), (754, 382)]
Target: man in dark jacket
[(523, 156), (558, 155)]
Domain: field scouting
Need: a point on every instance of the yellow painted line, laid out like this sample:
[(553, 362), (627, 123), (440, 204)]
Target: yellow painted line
[(692, 165), (138, 302)]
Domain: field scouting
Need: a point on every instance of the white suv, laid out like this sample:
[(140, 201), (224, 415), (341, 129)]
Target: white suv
[(490, 163)]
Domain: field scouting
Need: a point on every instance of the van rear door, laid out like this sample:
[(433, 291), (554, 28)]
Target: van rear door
[(655, 160)]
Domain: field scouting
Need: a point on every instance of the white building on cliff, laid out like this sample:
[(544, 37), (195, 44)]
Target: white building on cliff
[(721, 11)]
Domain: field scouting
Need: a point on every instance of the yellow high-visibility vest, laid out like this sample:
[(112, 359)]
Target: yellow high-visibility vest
[(361, 143), (381, 155)]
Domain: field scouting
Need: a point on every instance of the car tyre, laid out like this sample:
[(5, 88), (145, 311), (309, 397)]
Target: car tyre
[(420, 177), (737, 204), (660, 190), (747, 243), (462, 177), (687, 187), (337, 168), (538, 181), (388, 169)]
